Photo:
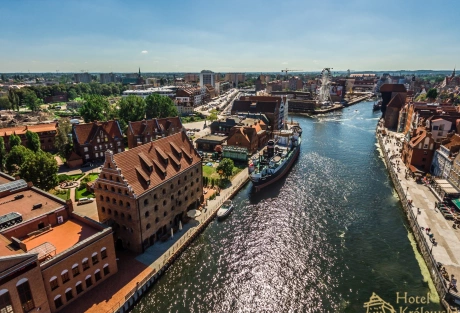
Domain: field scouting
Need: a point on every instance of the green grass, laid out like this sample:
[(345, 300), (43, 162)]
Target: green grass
[(63, 194), (92, 176), (210, 172), (81, 192)]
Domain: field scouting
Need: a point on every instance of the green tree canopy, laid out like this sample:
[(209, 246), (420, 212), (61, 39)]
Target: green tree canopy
[(72, 94), (14, 99), (132, 108), (226, 165), (14, 140), (41, 169), (95, 108), (62, 142), (212, 116), (158, 106), (33, 141), (432, 94), (2, 154), (5, 103), (31, 101), (16, 158)]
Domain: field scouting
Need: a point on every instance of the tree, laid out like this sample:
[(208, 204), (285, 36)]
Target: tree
[(212, 116), (16, 158), (41, 169), (106, 90), (33, 141), (14, 99), (95, 108), (226, 165), (432, 94), (132, 108), (5, 103), (14, 140), (72, 94), (2, 154), (62, 142), (31, 101), (158, 106)]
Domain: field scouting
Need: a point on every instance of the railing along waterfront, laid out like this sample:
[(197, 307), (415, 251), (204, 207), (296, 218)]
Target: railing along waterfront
[(425, 250)]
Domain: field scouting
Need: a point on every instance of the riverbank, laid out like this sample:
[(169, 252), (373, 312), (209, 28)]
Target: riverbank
[(421, 214)]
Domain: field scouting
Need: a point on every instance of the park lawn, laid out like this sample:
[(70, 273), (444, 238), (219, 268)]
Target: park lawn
[(210, 172), (76, 176), (64, 194), (83, 193)]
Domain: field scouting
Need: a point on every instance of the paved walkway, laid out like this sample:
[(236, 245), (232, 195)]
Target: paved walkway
[(447, 250)]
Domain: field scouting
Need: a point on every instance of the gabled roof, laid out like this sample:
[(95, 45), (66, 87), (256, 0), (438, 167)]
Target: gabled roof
[(420, 135), (155, 125), (137, 172), (19, 130), (84, 133), (73, 156), (393, 88)]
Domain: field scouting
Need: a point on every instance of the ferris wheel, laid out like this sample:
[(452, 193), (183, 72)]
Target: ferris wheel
[(324, 94)]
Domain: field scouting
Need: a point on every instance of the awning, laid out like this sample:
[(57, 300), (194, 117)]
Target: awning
[(456, 202)]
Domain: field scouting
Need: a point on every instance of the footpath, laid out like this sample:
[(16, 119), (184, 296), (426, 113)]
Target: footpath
[(419, 203), (136, 274)]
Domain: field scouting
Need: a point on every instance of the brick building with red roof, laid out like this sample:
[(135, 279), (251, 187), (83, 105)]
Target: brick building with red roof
[(46, 133), (147, 190), (91, 140), (144, 131)]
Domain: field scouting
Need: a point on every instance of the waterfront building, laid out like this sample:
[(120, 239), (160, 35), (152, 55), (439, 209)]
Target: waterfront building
[(417, 152), (224, 125), (82, 78), (146, 191), (273, 107), (207, 78), (51, 255), (46, 133), (91, 140), (250, 134), (144, 131), (393, 98), (210, 142), (444, 157)]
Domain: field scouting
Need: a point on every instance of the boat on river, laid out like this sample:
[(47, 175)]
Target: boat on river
[(275, 159), (225, 209), (377, 106)]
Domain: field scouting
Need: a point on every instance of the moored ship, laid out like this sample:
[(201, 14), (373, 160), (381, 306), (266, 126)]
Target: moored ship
[(275, 160)]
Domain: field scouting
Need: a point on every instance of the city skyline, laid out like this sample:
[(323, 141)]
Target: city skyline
[(183, 36)]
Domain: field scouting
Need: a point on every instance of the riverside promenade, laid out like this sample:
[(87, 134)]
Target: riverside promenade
[(422, 214), (138, 273)]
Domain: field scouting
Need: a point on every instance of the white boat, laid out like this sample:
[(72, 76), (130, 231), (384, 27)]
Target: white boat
[(225, 209)]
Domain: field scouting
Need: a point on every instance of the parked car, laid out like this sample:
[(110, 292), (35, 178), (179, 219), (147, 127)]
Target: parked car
[(85, 200)]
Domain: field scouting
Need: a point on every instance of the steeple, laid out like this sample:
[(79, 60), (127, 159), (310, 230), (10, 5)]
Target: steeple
[(139, 72), (453, 73)]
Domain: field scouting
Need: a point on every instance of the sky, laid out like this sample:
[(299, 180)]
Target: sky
[(227, 36)]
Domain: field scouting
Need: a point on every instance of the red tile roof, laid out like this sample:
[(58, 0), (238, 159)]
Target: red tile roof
[(158, 125), (142, 178), (23, 129), (85, 133)]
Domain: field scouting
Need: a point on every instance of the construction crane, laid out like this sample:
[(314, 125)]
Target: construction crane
[(286, 71)]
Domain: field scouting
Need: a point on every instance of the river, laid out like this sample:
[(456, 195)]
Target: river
[(323, 239)]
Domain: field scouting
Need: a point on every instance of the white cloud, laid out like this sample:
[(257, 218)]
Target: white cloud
[(284, 63), (144, 52)]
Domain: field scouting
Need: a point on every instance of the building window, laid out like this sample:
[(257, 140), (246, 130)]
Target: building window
[(164, 213), (54, 283), (58, 301), (68, 294), (103, 253), (94, 258), (103, 209), (25, 295), (107, 199), (128, 205), (106, 269), (122, 215), (88, 281), (114, 201), (164, 202), (172, 208), (85, 264), (109, 211), (155, 196), (172, 197), (65, 276), (146, 202), (148, 226), (147, 214), (78, 288), (129, 217), (423, 159), (157, 220), (172, 186), (155, 208), (75, 270), (197, 179), (425, 152), (97, 275), (5, 302), (101, 197)]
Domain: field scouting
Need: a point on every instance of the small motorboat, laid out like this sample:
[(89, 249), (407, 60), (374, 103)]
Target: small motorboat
[(225, 209)]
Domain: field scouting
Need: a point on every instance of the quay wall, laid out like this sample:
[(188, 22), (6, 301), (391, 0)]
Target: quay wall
[(173, 253), (422, 245)]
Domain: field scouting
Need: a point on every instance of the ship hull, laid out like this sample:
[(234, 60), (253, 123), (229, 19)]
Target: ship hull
[(262, 183)]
